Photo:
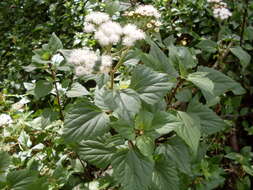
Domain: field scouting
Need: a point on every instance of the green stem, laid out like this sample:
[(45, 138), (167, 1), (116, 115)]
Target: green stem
[(120, 62)]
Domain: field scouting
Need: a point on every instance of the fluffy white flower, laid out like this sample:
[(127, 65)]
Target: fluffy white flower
[(148, 10), (132, 34), (213, 1), (81, 70), (84, 60), (97, 17), (88, 27), (222, 13), (108, 33), (106, 63), (5, 119)]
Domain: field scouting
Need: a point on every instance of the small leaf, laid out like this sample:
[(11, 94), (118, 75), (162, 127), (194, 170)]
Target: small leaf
[(146, 145), (77, 90), (84, 121), (124, 129), (151, 86), (242, 55), (143, 120), (42, 88), (54, 43)]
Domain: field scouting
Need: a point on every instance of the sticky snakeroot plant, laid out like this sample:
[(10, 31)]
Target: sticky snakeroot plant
[(144, 124)]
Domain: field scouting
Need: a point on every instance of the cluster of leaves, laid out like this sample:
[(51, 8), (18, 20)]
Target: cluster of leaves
[(176, 118)]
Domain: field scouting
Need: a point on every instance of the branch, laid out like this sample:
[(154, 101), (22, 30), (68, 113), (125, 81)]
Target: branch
[(244, 21)]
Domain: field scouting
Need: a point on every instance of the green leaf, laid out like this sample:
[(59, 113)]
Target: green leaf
[(4, 161), (189, 131), (165, 176), (177, 151), (21, 180), (143, 120), (132, 170), (77, 90), (242, 55), (128, 104), (222, 84), (209, 121), (151, 86), (124, 129), (184, 95), (54, 43), (182, 57), (157, 60), (42, 88), (146, 145), (96, 152), (84, 121), (208, 46), (124, 103), (201, 80), (164, 123)]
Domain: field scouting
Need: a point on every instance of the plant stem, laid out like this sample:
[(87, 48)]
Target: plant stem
[(174, 91), (244, 21), (223, 55), (120, 62), (57, 91)]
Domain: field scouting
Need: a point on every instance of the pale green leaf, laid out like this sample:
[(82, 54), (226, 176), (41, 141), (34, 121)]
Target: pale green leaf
[(77, 90), (242, 55)]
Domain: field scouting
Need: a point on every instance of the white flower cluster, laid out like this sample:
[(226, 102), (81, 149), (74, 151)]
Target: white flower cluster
[(132, 34), (147, 10), (148, 14), (85, 60), (108, 32), (5, 119), (220, 9)]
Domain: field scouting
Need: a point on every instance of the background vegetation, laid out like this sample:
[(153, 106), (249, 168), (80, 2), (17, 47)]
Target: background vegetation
[(32, 150)]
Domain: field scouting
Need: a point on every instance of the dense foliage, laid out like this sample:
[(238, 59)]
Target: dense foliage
[(116, 95)]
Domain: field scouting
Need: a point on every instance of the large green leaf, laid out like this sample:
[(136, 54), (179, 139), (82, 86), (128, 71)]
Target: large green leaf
[(125, 129), (84, 121), (4, 161), (177, 151), (222, 84), (124, 103), (128, 104), (21, 180), (157, 60), (164, 123), (208, 46), (209, 121), (151, 86), (97, 152), (201, 80), (189, 131), (242, 55), (132, 170), (165, 176), (42, 88), (77, 90), (181, 56)]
